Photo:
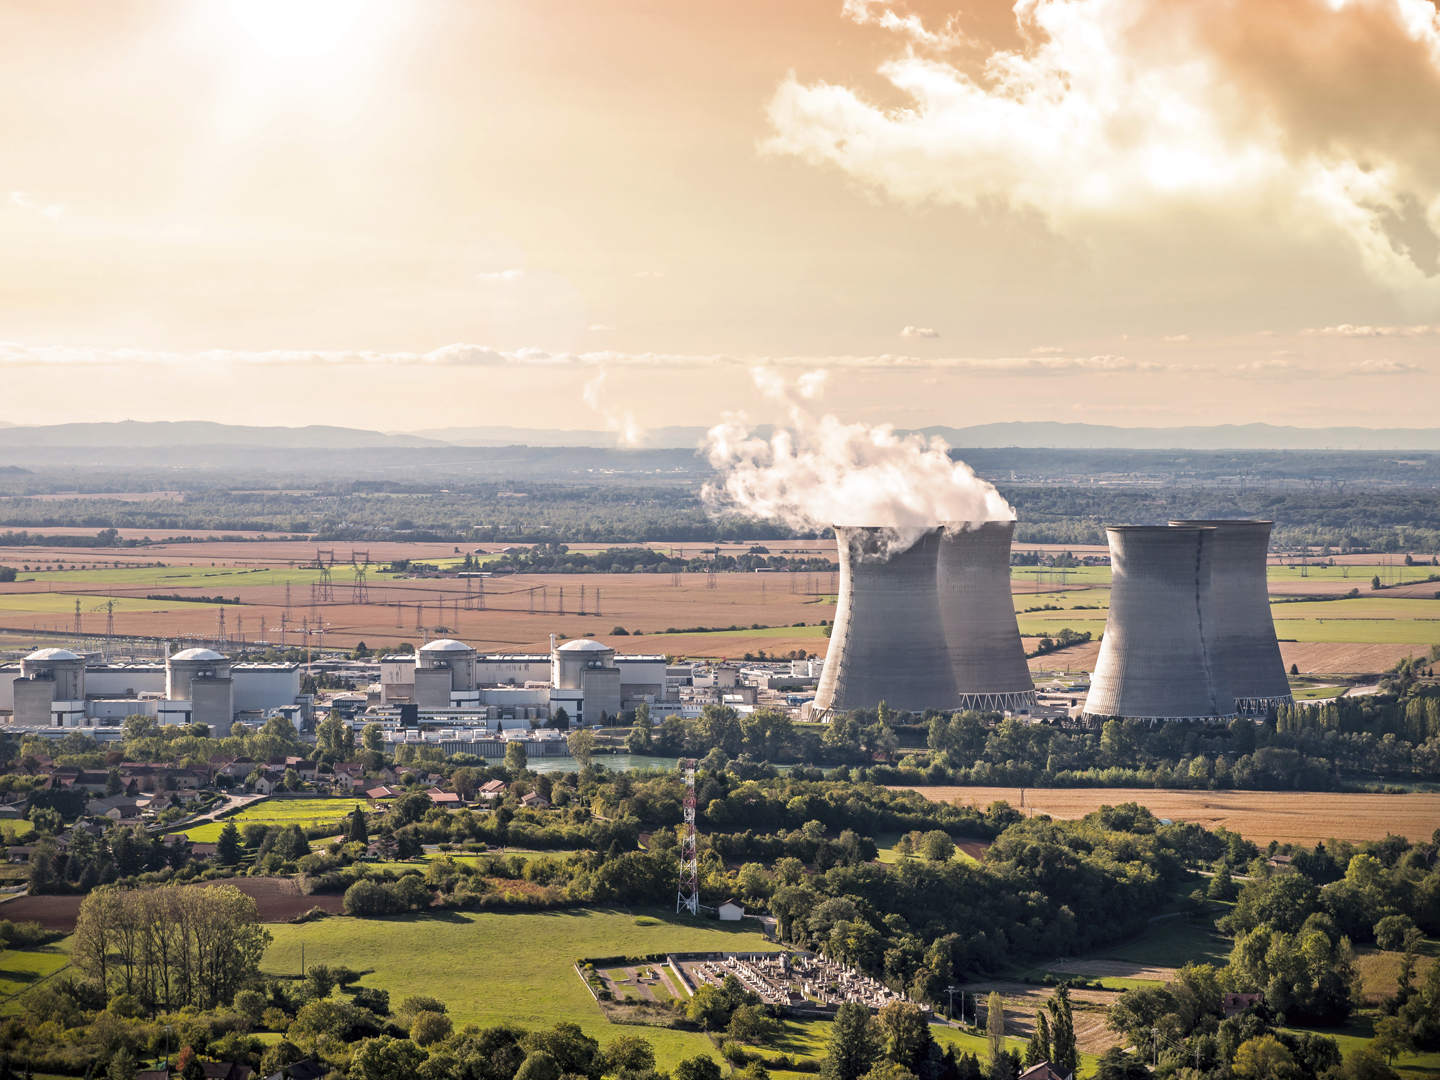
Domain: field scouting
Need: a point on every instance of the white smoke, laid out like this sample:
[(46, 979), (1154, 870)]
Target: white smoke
[(627, 431), (819, 472)]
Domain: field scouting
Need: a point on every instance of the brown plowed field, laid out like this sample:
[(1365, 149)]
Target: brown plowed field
[(279, 900), (1023, 1001), (1341, 658), (1286, 816)]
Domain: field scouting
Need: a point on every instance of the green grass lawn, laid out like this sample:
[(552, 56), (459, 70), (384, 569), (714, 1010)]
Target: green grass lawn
[(1318, 693), (491, 966), (280, 812), (64, 603), (22, 970), (166, 578), (1361, 1030), (886, 843), (1172, 944), (1360, 631)]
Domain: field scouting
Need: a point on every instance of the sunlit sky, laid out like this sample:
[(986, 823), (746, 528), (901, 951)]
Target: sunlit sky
[(420, 214)]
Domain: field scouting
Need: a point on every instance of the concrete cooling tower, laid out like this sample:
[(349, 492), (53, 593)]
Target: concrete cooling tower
[(1241, 600), (1159, 659), (978, 614), (888, 641)]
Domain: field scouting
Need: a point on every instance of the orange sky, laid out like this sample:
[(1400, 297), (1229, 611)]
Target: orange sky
[(1114, 211)]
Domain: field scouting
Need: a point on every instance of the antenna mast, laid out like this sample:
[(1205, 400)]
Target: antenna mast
[(688, 898)]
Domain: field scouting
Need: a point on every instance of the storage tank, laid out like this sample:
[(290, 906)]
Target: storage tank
[(1240, 597), (888, 641), (1159, 659), (977, 611), (202, 677)]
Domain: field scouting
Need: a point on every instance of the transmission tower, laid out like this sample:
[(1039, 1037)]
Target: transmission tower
[(263, 630), (326, 587), (399, 615), (110, 619), (314, 602), (284, 629), (597, 600), (688, 897), (77, 618), (360, 592), (582, 601), (420, 616), (287, 598), (239, 630), (220, 631), (710, 574), (562, 601)]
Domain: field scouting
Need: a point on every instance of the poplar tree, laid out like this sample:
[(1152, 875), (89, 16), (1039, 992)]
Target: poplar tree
[(1063, 1053), (1039, 1048)]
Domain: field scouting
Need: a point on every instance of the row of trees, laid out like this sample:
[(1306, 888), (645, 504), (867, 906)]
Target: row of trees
[(170, 947)]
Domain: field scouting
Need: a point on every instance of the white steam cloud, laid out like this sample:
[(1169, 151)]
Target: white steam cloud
[(820, 472), (623, 424)]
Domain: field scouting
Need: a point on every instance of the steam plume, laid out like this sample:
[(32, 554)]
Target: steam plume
[(820, 472)]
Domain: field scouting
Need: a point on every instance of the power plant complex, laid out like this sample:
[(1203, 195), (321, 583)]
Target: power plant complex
[(931, 624)]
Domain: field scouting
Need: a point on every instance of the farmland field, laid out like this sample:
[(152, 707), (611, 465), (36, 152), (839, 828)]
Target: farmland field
[(280, 812), (1286, 816), (1365, 634)]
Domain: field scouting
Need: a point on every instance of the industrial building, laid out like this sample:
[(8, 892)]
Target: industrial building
[(449, 680), (1161, 657), (56, 688), (977, 611), (888, 642), (1249, 651)]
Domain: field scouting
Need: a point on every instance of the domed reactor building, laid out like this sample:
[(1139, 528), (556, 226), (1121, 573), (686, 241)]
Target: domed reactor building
[(977, 613)]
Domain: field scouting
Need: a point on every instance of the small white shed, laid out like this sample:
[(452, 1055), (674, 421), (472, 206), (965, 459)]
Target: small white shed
[(730, 911)]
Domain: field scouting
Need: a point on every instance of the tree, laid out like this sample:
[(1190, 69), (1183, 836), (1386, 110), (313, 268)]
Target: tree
[(430, 1027), (516, 760), (373, 738), (906, 1032), (465, 781), (113, 784), (227, 848), (937, 846), (1222, 885), (1392, 1038), (1363, 1064), (561, 719), (319, 981), (1063, 1053), (995, 1026), (384, 1058), (122, 1066), (854, 1044), (700, 1067), (1264, 1058), (359, 829), (539, 1065), (1116, 1064), (582, 746), (188, 1065), (749, 1024), (1038, 1049)]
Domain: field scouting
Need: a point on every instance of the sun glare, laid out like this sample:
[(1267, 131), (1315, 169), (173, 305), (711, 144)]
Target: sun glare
[(290, 29)]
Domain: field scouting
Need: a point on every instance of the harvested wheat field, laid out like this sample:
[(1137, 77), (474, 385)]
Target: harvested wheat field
[(1323, 657), (1307, 817)]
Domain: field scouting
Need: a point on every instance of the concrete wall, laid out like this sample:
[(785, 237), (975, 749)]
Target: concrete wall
[(32, 701), (260, 687), (432, 687), (214, 704)]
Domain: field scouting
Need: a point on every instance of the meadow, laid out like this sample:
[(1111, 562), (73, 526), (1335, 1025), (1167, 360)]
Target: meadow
[(280, 812)]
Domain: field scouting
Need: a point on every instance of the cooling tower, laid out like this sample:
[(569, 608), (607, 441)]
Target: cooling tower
[(1159, 658), (978, 614), (888, 642), (1241, 601)]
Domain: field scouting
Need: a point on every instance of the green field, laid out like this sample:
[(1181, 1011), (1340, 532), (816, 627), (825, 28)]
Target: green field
[(1360, 631), (886, 843), (64, 603), (22, 970), (1318, 693), (165, 578), (507, 966), (280, 812)]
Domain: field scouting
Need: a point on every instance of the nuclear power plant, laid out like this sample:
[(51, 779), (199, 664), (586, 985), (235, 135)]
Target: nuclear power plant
[(1162, 656), (977, 611), (888, 640), (1249, 652)]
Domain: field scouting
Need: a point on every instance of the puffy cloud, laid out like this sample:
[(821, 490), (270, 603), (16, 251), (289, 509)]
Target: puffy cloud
[(919, 332), (501, 277), (874, 12), (1306, 115), (1177, 337), (1280, 366)]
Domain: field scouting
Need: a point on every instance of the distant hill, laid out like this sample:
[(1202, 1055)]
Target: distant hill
[(135, 433), (665, 438), (1045, 433)]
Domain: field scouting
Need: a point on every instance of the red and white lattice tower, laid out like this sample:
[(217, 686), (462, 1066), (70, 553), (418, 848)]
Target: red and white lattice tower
[(689, 895)]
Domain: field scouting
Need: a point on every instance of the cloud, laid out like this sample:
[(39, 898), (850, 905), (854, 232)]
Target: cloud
[(1289, 368), (909, 26), (918, 332), (650, 273), (50, 212), (1047, 350), (599, 326), (1307, 116), (1177, 337), (501, 277), (462, 355), (1347, 330)]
